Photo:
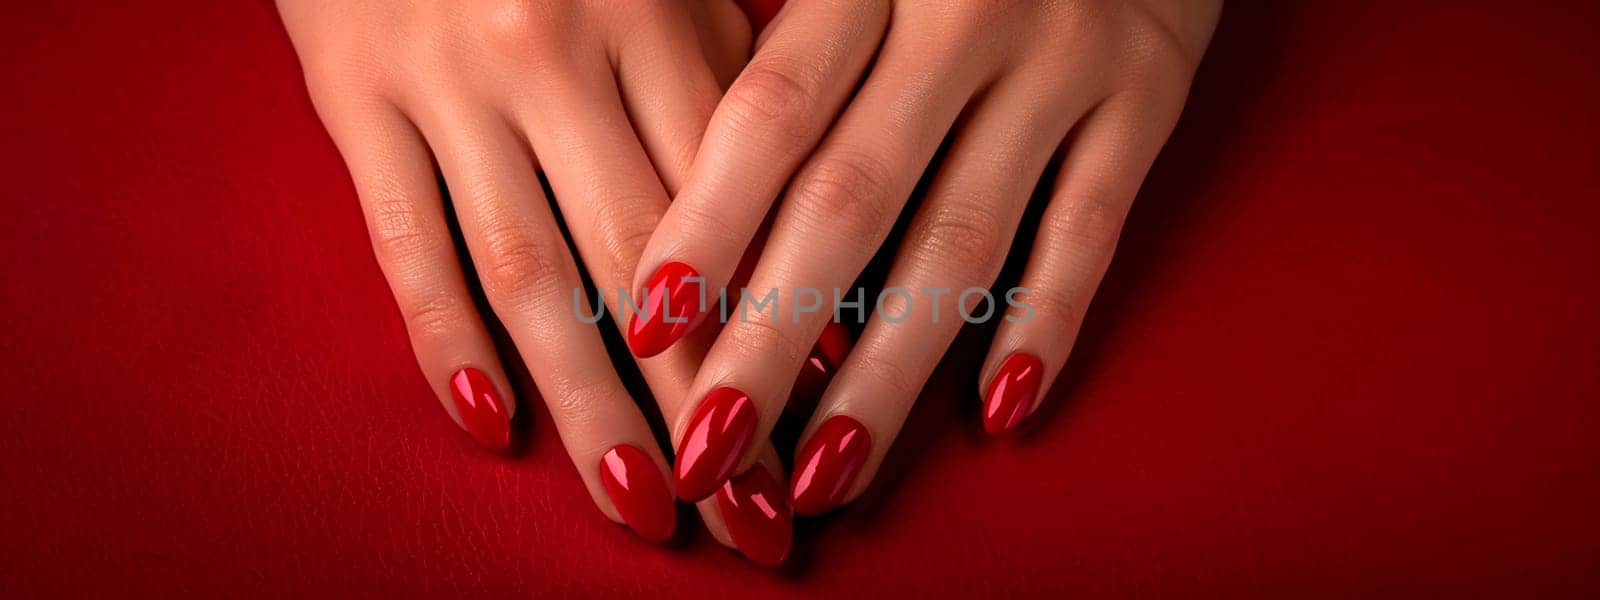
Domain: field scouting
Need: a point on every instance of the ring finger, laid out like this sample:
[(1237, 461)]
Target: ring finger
[(528, 275)]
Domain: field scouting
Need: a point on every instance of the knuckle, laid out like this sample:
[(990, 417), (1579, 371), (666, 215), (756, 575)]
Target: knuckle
[(1085, 23), (771, 97), (701, 219), (1153, 56), (519, 264), (623, 225), (1155, 71), (1091, 223), (847, 193), (893, 376), (401, 235), (522, 27), (965, 236), (973, 22), (576, 405), (436, 316), (758, 336), (1057, 309), (707, 226), (681, 152), (1162, 40), (978, 14)]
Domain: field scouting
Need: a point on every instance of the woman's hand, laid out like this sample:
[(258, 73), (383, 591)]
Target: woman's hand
[(840, 112), (609, 100)]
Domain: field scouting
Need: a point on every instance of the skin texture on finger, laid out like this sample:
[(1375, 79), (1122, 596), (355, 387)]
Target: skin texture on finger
[(725, 35), (609, 193), (394, 178), (957, 242), (667, 85), (1105, 163), (606, 190), (773, 114), (528, 274), (766, 30), (478, 54), (835, 214)]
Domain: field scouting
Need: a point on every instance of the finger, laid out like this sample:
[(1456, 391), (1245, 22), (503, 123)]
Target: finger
[(752, 512), (1103, 167), (668, 87), (610, 196), (528, 275), (394, 178), (604, 185), (766, 20), (764, 540), (774, 113), (951, 254), (724, 33), (835, 214)]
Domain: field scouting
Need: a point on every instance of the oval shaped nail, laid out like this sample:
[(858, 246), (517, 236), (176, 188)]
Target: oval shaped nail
[(673, 299), (758, 517), (1012, 393), (828, 465), (481, 411), (721, 429), (639, 491)]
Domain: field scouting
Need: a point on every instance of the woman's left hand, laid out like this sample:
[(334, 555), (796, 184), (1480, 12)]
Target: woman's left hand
[(840, 112)]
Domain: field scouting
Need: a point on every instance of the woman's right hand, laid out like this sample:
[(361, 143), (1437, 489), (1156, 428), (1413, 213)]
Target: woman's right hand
[(608, 100)]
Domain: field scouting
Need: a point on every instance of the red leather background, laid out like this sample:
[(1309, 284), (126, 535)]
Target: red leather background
[(1351, 343)]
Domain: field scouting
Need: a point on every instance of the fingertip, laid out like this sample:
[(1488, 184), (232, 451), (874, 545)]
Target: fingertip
[(1012, 393), (639, 492), (722, 428), (479, 405), (755, 510), (674, 298), (826, 469)]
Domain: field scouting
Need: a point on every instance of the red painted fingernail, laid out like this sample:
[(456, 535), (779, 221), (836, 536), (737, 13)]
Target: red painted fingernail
[(828, 465), (639, 492), (1012, 393), (673, 298), (757, 514), (480, 408), (718, 434), (826, 357)]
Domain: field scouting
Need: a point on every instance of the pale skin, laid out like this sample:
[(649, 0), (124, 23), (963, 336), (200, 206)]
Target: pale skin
[(839, 112), (493, 92), (661, 144)]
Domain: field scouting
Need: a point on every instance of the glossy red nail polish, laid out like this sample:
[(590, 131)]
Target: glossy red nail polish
[(639, 492), (757, 514), (672, 299), (828, 465), (1012, 393), (826, 357), (480, 409), (718, 434)]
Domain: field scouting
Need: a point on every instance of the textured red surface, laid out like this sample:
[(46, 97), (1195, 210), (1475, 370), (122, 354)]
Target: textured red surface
[(1350, 344)]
